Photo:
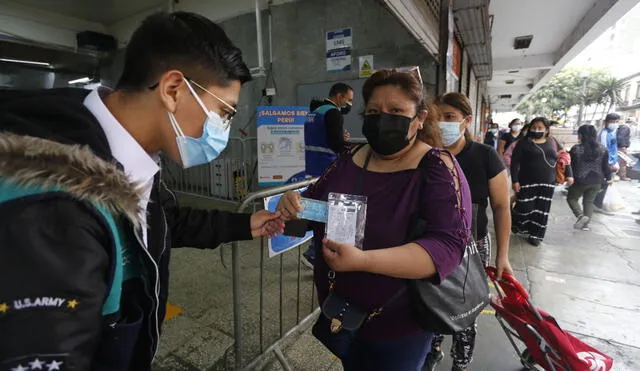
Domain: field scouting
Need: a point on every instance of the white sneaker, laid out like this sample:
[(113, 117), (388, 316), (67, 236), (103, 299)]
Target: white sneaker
[(582, 221)]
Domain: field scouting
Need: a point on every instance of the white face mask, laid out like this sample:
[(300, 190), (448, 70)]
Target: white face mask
[(516, 128), (450, 132)]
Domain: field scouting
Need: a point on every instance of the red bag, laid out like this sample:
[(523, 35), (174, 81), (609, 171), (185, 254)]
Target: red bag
[(557, 345)]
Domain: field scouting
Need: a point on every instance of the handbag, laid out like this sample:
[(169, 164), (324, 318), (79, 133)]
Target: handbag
[(340, 321), (454, 304)]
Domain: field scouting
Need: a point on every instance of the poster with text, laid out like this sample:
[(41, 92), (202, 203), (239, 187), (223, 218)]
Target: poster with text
[(280, 143), (283, 243), (338, 52)]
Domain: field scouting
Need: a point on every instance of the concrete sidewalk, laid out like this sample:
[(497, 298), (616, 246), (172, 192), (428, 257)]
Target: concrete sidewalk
[(590, 281)]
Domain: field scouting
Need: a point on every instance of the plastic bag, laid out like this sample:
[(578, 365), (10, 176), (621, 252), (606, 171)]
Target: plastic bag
[(612, 199)]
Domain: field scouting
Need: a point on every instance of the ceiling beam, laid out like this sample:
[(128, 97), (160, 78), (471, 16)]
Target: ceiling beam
[(513, 90), (524, 62)]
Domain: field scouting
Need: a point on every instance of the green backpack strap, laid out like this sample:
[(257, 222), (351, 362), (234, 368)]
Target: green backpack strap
[(111, 304)]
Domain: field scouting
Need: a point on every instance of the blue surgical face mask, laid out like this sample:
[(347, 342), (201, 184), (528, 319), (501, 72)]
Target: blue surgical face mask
[(612, 127), (214, 139), (450, 132)]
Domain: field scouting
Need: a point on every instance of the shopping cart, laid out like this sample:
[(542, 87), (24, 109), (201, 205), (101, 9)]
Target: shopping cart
[(546, 344)]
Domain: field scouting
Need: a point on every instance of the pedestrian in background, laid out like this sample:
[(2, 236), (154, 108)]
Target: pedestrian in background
[(491, 137), (324, 139), (609, 140), (489, 183), (623, 137), (590, 164), (533, 174), (515, 126)]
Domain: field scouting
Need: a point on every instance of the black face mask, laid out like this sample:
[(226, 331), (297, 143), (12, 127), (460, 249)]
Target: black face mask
[(536, 134), (345, 109), (387, 133)]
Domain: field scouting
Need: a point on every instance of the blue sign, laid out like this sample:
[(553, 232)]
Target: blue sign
[(280, 143), (283, 243)]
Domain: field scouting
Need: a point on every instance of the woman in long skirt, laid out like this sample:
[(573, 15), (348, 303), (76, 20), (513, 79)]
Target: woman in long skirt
[(533, 176)]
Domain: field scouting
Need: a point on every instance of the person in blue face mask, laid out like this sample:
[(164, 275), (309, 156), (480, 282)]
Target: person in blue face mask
[(87, 222), (608, 138), (489, 184)]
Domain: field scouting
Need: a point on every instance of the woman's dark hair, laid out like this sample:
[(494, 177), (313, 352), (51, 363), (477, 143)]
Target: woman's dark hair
[(183, 41), (589, 140), (525, 128), (543, 120), (410, 84), (459, 102)]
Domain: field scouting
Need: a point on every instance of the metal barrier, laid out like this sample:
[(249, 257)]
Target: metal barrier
[(227, 178), (245, 336)]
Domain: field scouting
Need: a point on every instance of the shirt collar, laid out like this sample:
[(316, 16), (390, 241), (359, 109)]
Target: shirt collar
[(139, 166), (331, 102)]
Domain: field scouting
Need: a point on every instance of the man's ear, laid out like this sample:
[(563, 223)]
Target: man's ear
[(169, 88)]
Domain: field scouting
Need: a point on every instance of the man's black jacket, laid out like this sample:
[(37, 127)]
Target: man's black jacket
[(56, 247)]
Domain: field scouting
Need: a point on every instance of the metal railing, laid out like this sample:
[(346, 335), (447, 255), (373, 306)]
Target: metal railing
[(228, 178), (246, 357)]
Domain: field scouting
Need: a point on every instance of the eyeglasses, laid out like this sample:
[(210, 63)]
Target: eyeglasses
[(227, 116)]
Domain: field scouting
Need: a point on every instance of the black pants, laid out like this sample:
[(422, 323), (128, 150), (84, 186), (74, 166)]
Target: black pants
[(600, 197)]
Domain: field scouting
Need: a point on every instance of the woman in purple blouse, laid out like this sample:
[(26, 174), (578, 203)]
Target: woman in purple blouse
[(397, 128)]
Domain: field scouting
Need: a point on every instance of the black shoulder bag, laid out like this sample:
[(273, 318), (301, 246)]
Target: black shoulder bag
[(456, 302)]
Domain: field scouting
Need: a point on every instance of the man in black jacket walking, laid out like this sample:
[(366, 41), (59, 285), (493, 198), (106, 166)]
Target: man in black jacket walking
[(86, 222)]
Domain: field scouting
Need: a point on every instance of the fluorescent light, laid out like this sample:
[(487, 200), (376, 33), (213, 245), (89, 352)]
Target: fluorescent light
[(79, 81), (46, 64)]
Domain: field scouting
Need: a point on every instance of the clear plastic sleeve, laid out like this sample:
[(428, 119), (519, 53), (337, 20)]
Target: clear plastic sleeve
[(347, 215)]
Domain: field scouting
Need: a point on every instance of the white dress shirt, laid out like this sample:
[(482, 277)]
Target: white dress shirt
[(139, 166)]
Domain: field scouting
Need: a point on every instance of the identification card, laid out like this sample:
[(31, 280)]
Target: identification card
[(346, 218), (314, 210)]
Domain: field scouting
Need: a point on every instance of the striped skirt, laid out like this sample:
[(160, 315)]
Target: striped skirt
[(531, 212)]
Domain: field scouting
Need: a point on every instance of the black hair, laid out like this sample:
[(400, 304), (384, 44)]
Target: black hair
[(543, 120), (589, 140), (612, 117), (184, 41), (339, 88), (525, 128)]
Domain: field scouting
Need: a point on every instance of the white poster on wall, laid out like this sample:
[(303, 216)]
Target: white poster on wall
[(338, 52), (280, 143)]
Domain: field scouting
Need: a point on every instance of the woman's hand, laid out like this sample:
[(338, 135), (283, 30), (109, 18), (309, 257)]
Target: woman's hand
[(570, 181), (516, 187), (266, 224), (343, 258), (503, 266), (289, 205)]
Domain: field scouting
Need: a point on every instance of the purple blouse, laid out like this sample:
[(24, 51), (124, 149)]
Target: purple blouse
[(392, 199)]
